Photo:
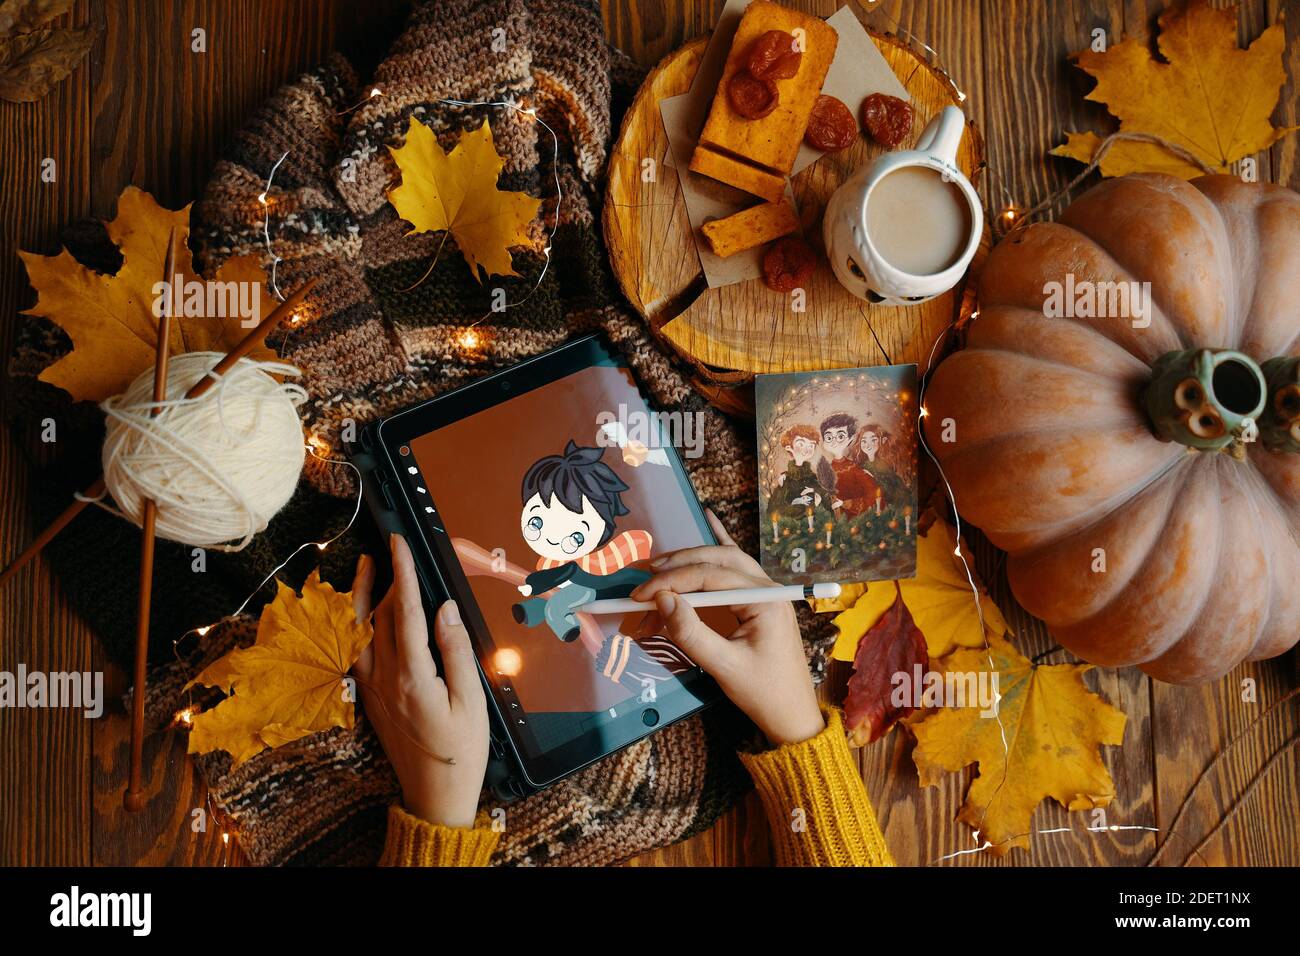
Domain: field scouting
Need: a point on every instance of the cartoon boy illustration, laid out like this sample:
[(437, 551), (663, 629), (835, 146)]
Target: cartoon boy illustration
[(837, 435), (570, 502), (799, 486)]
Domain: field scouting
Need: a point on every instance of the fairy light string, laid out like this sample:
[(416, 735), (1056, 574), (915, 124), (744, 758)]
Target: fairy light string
[(318, 545), (468, 339), (183, 719), (1013, 216), (1010, 216), (265, 200)]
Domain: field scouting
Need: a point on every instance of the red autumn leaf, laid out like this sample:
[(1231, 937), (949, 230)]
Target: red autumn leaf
[(894, 645)]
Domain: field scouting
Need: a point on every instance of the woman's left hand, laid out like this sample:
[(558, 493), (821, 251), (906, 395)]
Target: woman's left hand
[(423, 720)]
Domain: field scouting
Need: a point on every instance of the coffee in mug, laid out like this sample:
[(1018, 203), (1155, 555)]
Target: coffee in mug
[(918, 220), (905, 226)]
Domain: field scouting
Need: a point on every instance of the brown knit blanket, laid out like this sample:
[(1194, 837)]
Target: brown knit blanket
[(379, 337)]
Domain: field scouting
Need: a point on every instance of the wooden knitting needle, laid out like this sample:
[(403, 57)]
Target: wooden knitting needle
[(133, 798), (251, 341), (96, 490)]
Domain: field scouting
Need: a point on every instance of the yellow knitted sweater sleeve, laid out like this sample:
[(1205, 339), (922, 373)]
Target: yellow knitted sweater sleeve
[(415, 842), (816, 805)]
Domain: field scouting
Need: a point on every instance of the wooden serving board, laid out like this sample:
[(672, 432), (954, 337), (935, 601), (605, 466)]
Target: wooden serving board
[(747, 327)]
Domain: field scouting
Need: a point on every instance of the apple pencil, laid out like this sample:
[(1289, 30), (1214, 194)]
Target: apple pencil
[(788, 592)]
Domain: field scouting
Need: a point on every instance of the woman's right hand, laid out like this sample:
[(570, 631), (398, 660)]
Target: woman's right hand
[(760, 665)]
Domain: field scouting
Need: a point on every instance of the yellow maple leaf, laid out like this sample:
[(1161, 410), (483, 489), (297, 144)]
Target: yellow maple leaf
[(849, 594), (1211, 97), (1053, 726), (457, 191), (939, 599), (290, 682), (111, 319)]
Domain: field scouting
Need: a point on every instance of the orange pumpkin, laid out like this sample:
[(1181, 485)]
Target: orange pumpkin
[(1128, 534)]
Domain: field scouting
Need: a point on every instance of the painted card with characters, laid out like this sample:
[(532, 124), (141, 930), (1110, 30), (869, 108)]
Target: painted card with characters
[(837, 470)]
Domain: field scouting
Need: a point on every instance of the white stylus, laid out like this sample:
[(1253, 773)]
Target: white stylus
[(788, 592)]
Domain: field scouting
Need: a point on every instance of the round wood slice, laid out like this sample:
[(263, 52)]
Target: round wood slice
[(747, 327)]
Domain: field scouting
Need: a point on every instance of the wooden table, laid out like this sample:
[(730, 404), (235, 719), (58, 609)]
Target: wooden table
[(145, 110)]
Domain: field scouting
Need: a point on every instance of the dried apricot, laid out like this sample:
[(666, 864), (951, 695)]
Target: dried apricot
[(887, 118), (751, 97), (774, 56), (788, 264), (831, 126)]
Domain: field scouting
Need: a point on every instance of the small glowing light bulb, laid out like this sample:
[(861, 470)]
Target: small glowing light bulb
[(924, 411), (262, 198), (508, 661), (961, 97), (375, 91), (1010, 214), (225, 838), (200, 631), (469, 339), (957, 551)]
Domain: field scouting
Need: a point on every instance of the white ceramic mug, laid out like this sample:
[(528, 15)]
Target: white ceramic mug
[(857, 263)]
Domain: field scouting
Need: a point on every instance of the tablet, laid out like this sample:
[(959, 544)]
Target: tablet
[(530, 493)]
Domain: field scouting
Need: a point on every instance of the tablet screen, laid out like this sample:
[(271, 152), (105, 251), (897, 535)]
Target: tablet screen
[(545, 501)]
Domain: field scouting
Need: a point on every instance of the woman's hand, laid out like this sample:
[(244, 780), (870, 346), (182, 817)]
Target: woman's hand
[(760, 665), (423, 720)]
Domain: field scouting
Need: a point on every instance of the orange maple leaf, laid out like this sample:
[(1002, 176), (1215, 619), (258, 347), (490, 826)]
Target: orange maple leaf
[(111, 319), (1211, 97), (938, 598), (457, 191), (292, 681), (1040, 739)]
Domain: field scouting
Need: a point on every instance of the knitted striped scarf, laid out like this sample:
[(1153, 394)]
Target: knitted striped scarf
[(381, 334)]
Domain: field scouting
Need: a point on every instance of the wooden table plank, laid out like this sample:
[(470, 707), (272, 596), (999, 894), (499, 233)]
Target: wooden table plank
[(45, 789), (1286, 154), (648, 30)]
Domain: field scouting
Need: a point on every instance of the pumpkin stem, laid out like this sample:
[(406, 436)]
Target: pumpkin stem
[(1280, 428), (1207, 399)]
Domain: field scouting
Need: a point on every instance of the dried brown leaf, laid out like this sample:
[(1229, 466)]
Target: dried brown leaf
[(26, 16), (32, 63), (892, 646)]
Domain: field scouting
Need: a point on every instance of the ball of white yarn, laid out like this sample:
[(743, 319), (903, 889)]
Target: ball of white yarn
[(218, 466)]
